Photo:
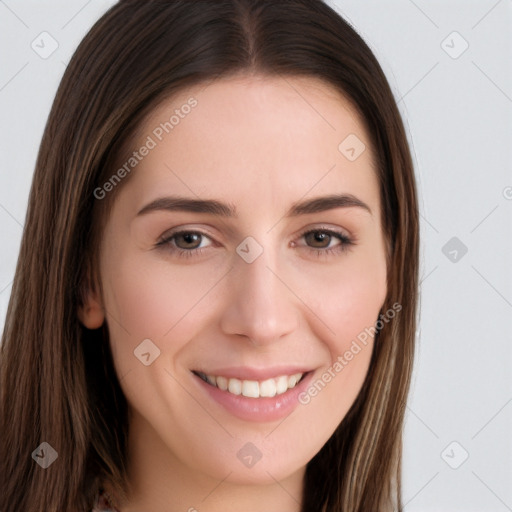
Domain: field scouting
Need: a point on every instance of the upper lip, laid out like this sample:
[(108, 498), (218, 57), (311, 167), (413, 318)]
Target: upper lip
[(251, 373)]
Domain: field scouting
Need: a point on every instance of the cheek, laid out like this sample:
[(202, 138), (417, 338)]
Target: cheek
[(347, 297), (149, 297), (346, 301), (146, 299)]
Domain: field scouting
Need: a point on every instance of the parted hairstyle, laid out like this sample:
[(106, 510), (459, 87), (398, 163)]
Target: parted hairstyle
[(57, 380)]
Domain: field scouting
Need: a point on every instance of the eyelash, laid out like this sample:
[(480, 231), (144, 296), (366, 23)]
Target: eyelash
[(182, 253), (344, 245), (345, 242)]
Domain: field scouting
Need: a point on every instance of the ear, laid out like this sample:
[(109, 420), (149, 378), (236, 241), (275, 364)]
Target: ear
[(91, 313)]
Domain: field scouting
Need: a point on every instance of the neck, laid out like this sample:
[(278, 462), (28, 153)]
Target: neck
[(160, 482)]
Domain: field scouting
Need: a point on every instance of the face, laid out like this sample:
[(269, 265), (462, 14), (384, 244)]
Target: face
[(241, 259)]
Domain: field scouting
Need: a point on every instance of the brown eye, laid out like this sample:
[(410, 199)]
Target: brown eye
[(188, 240), (318, 239), (186, 243)]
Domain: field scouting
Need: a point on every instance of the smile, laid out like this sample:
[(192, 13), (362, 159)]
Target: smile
[(252, 388)]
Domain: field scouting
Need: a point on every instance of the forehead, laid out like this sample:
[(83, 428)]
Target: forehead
[(270, 135)]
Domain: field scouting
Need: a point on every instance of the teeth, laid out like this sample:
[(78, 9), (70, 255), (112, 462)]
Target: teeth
[(222, 383), (268, 388), (235, 386), (250, 388), (281, 384), (253, 388), (292, 380)]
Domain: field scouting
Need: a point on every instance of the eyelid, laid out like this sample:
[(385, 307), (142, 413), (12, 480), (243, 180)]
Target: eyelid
[(345, 238), (328, 228), (186, 228), (168, 244)]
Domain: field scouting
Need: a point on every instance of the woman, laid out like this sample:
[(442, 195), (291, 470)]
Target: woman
[(215, 300)]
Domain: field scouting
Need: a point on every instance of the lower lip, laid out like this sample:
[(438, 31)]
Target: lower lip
[(257, 409)]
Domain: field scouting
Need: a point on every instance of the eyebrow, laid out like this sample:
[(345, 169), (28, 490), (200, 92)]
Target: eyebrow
[(213, 207), (322, 204), (189, 205)]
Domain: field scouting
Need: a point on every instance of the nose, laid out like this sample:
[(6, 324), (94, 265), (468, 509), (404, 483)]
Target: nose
[(261, 307)]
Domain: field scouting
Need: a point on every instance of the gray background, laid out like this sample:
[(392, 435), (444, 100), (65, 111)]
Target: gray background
[(457, 106)]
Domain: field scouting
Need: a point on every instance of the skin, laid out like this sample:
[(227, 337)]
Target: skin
[(259, 144)]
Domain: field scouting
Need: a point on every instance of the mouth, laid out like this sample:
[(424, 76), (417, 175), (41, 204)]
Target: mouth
[(253, 394), (267, 388)]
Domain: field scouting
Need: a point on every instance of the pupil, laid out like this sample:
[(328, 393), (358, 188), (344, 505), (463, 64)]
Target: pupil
[(189, 240), (318, 239)]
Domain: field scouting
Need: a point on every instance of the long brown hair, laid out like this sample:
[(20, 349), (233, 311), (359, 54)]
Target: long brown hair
[(58, 383)]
